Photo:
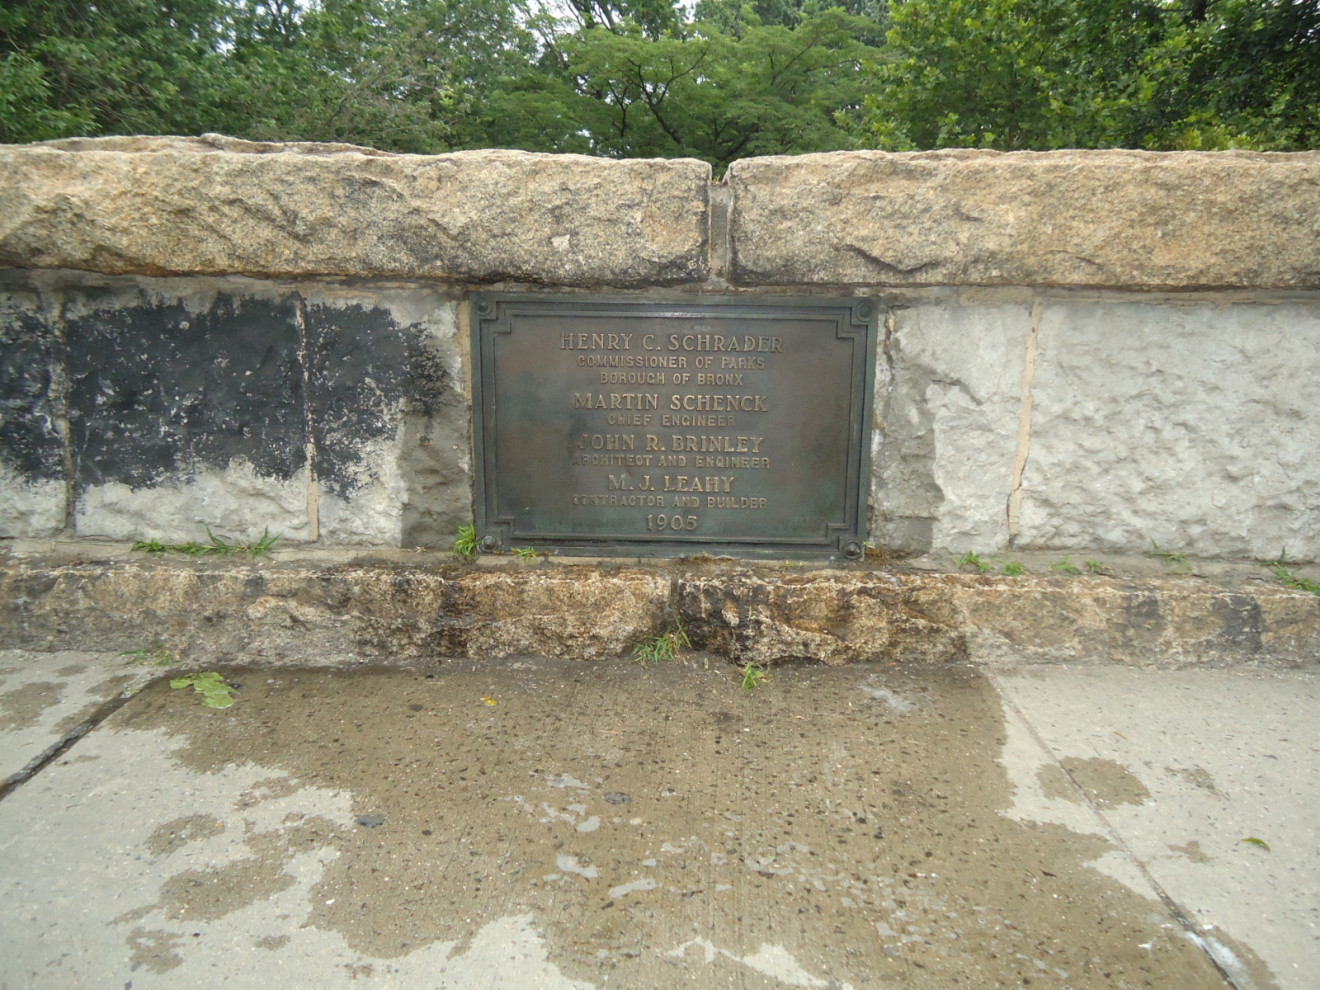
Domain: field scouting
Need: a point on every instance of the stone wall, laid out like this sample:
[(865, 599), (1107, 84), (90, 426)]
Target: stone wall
[(1082, 350)]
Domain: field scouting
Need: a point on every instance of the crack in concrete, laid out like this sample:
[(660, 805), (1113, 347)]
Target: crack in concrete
[(1220, 957), (1024, 422), (65, 743)]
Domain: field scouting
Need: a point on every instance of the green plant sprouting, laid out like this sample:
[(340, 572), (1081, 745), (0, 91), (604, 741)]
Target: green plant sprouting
[(465, 542), (971, 559), (1177, 562), (156, 655), (752, 675), (217, 547), (1284, 573), (1013, 569), (1065, 566), (665, 647)]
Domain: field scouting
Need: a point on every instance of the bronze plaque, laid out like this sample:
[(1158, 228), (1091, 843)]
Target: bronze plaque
[(725, 425)]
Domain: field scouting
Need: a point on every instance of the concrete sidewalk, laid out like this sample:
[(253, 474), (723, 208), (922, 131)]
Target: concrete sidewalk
[(552, 823)]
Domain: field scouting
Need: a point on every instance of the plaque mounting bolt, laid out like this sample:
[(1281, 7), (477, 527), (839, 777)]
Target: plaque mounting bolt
[(489, 544), (484, 307), (853, 551), (865, 309)]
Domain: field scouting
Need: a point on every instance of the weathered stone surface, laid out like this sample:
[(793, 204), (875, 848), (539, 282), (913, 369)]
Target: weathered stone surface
[(212, 205), (841, 618), (33, 481), (1130, 219), (30, 507), (943, 456), (338, 609), (308, 613), (202, 402), (186, 408), (389, 415), (1191, 423), (582, 613)]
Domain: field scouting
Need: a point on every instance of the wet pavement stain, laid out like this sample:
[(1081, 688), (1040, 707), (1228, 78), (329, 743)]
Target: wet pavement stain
[(178, 833), (1196, 776), (835, 827), (1193, 851), (21, 707), (1104, 783)]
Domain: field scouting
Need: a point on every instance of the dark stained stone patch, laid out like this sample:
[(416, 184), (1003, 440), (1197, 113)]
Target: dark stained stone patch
[(30, 400), (367, 373), (157, 390)]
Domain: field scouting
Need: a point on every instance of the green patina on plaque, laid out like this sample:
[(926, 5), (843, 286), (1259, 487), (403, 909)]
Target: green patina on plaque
[(725, 425)]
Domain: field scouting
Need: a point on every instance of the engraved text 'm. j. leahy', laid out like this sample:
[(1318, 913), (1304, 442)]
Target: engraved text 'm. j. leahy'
[(729, 424)]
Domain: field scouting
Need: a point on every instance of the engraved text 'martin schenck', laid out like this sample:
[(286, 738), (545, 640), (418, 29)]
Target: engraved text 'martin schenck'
[(723, 424)]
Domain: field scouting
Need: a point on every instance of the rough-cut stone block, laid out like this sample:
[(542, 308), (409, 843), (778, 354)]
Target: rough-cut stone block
[(216, 206), (186, 409), (1192, 424), (1129, 219), (942, 464), (337, 609), (833, 618), (389, 416), (196, 402), (582, 613), (33, 482)]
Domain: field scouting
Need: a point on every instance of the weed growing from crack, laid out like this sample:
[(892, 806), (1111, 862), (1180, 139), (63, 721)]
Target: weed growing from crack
[(1095, 567), (1284, 573), (155, 655), (217, 547), (665, 647), (752, 675), (1013, 569), (1065, 566), (525, 553), (465, 542), (971, 559), (210, 685), (1177, 562)]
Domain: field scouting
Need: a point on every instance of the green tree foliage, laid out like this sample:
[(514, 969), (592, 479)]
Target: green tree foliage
[(113, 66), (1254, 71), (718, 79), (396, 74), (1097, 73), (710, 92)]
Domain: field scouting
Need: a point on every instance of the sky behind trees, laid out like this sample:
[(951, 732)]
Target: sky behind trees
[(714, 79)]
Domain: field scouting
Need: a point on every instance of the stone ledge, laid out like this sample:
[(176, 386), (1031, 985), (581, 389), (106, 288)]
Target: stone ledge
[(1104, 219), (216, 206), (345, 608)]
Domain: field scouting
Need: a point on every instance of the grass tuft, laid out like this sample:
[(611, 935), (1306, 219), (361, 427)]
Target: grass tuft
[(753, 674), (465, 542), (1177, 562), (217, 547), (1065, 566), (1284, 573), (662, 648), (971, 559)]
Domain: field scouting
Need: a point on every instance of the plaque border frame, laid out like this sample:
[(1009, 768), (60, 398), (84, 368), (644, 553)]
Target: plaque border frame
[(859, 316)]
